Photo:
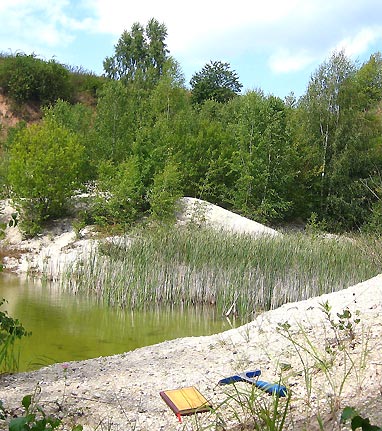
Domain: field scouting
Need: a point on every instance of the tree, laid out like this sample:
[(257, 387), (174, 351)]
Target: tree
[(122, 198), (165, 192), (340, 140), (215, 81), (262, 163), (369, 82), (45, 163), (140, 54)]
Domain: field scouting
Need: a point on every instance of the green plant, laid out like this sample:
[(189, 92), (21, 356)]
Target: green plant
[(357, 421), (10, 331), (44, 170), (337, 359), (344, 328), (251, 409), (314, 225), (165, 192), (35, 418), (199, 266), (27, 78)]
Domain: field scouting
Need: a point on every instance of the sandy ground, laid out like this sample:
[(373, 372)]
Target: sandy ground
[(121, 392)]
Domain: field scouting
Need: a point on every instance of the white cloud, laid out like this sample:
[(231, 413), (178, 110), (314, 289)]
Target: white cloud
[(196, 22), (283, 61), (37, 23), (357, 44)]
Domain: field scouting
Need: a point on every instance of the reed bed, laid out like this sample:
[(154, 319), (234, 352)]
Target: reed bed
[(189, 266)]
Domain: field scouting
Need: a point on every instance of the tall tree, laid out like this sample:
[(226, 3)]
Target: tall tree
[(262, 162), (322, 104), (140, 54), (215, 81), (340, 140)]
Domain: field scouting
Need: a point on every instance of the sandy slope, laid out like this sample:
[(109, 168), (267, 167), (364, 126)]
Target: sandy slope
[(122, 392)]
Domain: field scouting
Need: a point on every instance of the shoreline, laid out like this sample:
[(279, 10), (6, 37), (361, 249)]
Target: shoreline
[(125, 388), (121, 392)]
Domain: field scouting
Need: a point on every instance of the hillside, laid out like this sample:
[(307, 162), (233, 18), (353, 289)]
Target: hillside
[(9, 116)]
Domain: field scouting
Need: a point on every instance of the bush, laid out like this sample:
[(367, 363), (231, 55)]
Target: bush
[(27, 78), (121, 201), (45, 164)]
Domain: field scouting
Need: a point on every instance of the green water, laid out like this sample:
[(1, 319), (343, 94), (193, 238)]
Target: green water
[(66, 327)]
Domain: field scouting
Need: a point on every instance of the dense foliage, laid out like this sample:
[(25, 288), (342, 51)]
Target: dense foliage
[(44, 168), (28, 78), (140, 54), (146, 142), (216, 82)]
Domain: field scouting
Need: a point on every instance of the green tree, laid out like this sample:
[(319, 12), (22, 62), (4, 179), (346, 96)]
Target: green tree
[(215, 81), (340, 141), (368, 81), (122, 198), (140, 54), (115, 123), (45, 162), (262, 167), (165, 192), (78, 119)]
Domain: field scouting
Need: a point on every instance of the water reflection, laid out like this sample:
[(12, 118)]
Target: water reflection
[(67, 327)]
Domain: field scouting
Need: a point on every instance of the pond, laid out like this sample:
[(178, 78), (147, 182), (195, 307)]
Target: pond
[(66, 327)]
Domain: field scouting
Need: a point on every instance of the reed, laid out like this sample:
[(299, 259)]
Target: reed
[(188, 266)]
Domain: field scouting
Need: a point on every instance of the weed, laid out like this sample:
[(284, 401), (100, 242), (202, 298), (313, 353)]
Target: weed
[(34, 417), (335, 359), (248, 407), (344, 328), (357, 421), (10, 331)]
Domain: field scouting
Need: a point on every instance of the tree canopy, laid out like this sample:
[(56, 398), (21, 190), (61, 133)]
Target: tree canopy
[(140, 54), (149, 140), (216, 82), (44, 170)]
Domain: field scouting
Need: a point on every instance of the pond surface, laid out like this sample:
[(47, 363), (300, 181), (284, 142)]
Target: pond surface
[(66, 327)]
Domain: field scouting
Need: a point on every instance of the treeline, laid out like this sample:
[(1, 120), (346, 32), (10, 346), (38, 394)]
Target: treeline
[(150, 140)]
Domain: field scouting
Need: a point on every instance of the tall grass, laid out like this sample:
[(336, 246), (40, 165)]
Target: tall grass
[(199, 266)]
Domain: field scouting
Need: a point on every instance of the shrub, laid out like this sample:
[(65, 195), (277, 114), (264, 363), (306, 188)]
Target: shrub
[(44, 168), (26, 78)]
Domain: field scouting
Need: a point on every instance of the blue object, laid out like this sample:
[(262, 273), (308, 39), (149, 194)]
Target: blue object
[(271, 388), (251, 377), (248, 376)]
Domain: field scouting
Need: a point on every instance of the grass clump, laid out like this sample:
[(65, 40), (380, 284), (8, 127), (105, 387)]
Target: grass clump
[(197, 266)]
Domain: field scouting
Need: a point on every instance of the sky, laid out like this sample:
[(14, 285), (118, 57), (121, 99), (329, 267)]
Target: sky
[(272, 45)]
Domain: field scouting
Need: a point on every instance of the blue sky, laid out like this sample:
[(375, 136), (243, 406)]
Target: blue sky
[(274, 45)]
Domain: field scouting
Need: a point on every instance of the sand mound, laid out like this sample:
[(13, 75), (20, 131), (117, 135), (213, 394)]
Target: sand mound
[(206, 214)]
